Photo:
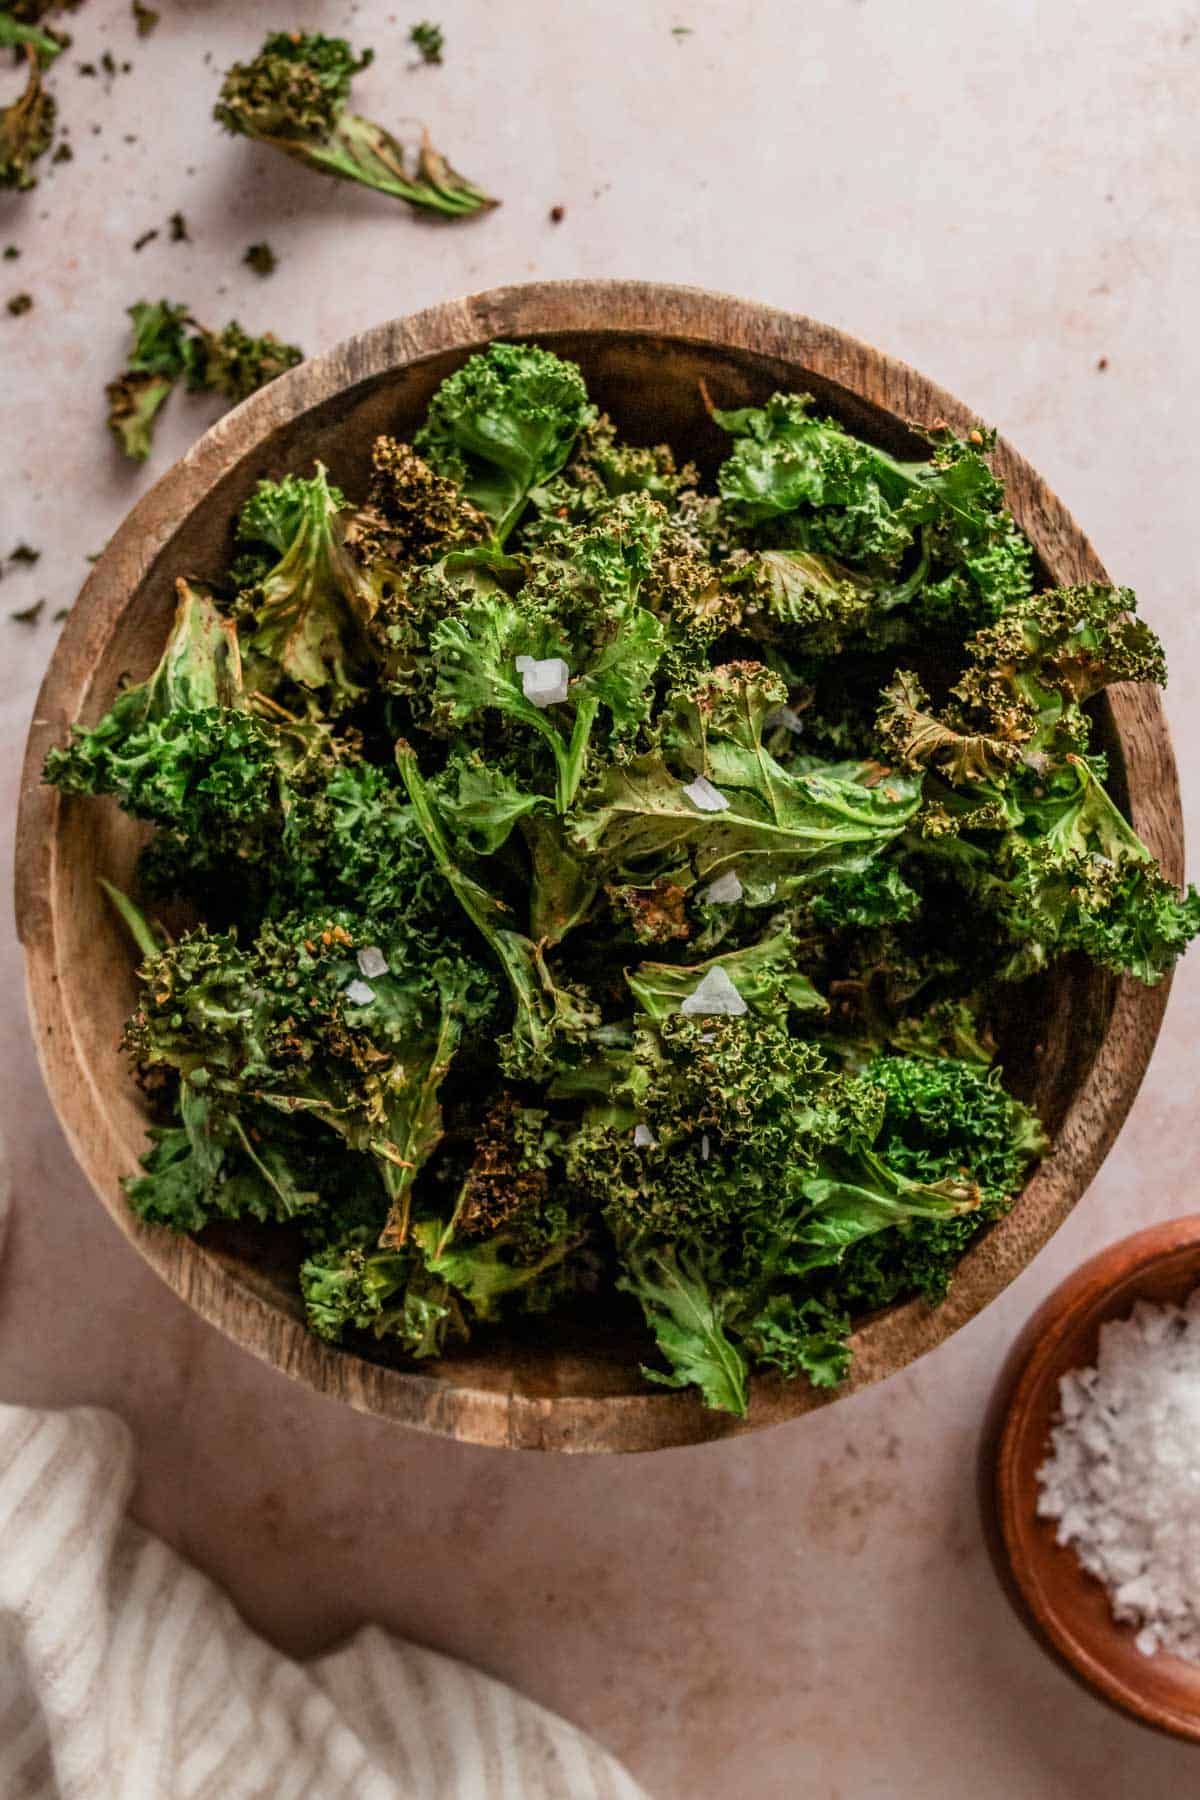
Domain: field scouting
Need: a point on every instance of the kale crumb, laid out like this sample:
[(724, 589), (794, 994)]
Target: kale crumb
[(108, 63), (88, 68), (1103, 363), (145, 18), (28, 615), (64, 153), (179, 230), (11, 252), (261, 258), (147, 237), (557, 214), (20, 303), (57, 618), (25, 553), (681, 31), (428, 40)]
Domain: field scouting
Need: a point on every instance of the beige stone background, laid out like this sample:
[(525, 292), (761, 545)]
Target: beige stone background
[(1005, 194)]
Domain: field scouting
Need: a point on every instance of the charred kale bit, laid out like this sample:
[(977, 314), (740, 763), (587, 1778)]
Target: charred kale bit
[(295, 94), (19, 303), (261, 258), (26, 128), (428, 41), (608, 886), (169, 344)]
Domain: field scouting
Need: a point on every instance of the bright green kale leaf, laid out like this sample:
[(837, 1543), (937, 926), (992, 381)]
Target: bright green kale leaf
[(502, 425), (688, 1321), (646, 818)]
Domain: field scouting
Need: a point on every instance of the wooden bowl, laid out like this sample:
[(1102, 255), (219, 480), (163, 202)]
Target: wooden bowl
[(1065, 1608), (1076, 1044)]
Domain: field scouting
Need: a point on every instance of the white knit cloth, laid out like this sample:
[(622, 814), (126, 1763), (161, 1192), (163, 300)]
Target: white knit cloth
[(126, 1675)]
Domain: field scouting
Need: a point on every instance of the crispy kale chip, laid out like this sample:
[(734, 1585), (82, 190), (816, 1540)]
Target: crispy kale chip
[(156, 360), (712, 801), (933, 536), (309, 604), (1023, 819), (291, 1025), (502, 425), (737, 1139), (294, 96), (233, 364)]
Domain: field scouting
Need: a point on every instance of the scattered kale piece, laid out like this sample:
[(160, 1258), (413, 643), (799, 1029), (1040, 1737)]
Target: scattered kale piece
[(145, 18), (428, 41), (179, 230), (147, 237), (28, 615), (169, 345), (19, 303), (24, 553), (26, 129), (261, 258), (11, 252), (609, 886), (294, 95), (153, 366)]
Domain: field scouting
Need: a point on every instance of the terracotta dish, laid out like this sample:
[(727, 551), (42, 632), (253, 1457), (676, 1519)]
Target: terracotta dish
[(1075, 1044), (1065, 1607)]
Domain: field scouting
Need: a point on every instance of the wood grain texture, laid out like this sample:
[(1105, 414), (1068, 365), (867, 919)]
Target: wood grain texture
[(1066, 1609), (1078, 1042)]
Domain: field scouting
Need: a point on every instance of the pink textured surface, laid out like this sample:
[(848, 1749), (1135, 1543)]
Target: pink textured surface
[(1001, 195)]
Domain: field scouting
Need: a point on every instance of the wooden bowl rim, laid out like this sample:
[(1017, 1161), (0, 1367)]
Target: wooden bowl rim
[(512, 1418), (1074, 1310)]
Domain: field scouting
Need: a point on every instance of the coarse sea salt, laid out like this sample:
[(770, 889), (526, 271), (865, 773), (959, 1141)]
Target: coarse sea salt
[(786, 716), (544, 680), (703, 794), (372, 961), (726, 890), (358, 993), (643, 1137), (712, 995), (1123, 1475)]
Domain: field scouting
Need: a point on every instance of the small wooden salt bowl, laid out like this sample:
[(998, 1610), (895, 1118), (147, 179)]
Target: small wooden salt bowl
[(1076, 1044), (1065, 1608)]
